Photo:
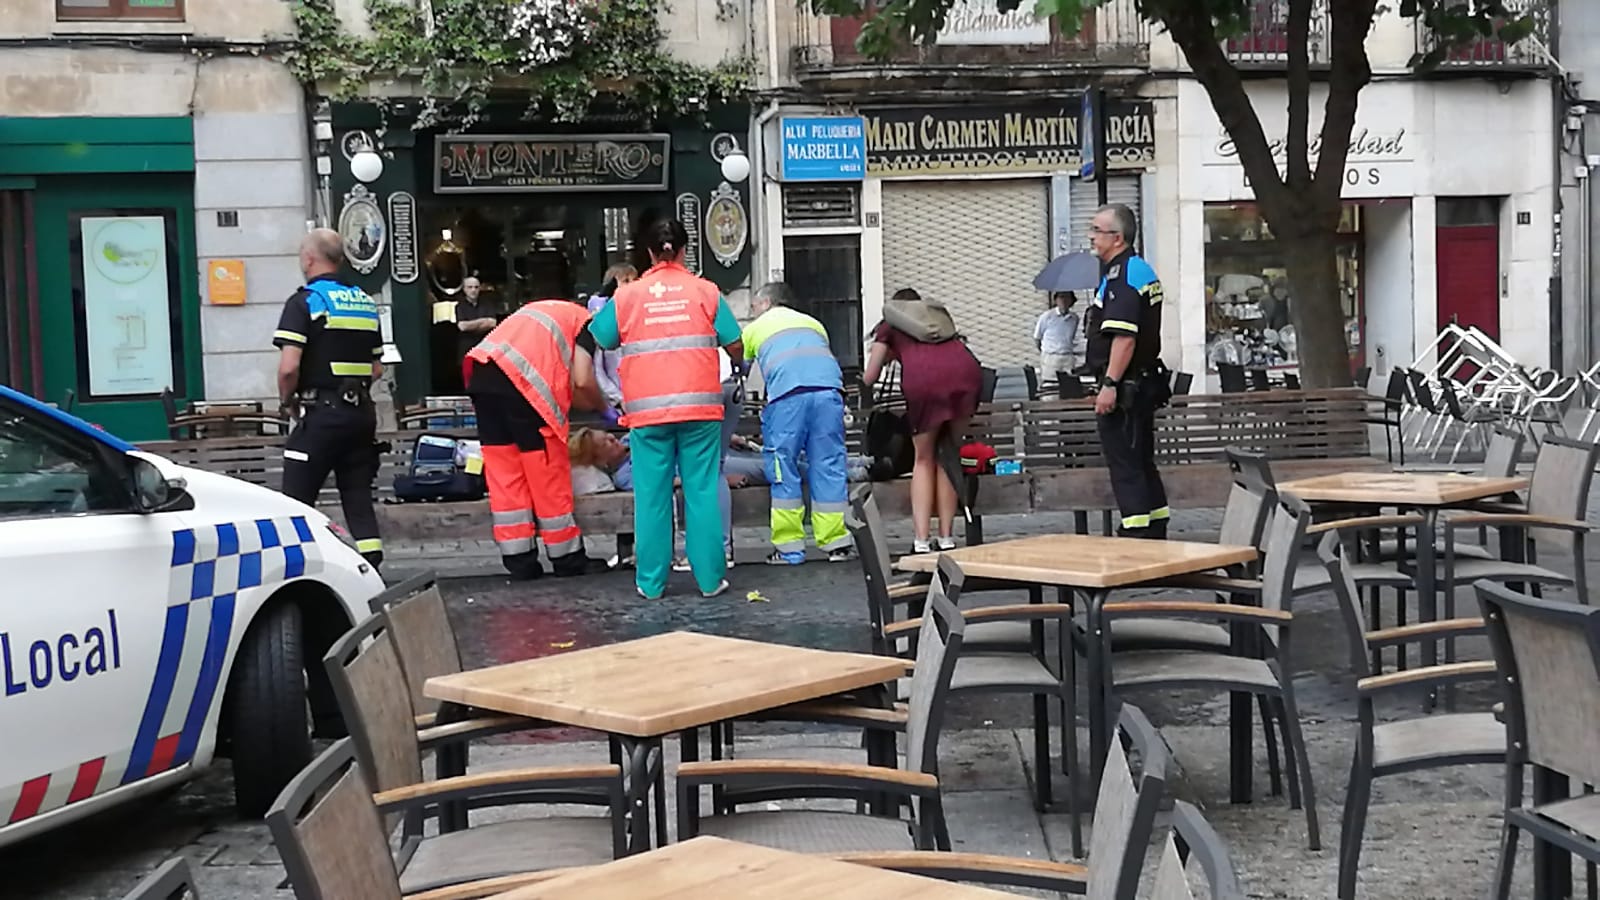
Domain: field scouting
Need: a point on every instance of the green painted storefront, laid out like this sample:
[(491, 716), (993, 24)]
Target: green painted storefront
[(99, 293), (428, 348)]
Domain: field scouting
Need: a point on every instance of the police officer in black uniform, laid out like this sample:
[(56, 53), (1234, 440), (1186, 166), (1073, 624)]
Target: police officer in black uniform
[(1124, 350), (329, 343)]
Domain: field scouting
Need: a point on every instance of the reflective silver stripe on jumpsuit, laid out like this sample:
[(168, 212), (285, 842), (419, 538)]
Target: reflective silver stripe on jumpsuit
[(669, 401), (657, 345), (534, 378)]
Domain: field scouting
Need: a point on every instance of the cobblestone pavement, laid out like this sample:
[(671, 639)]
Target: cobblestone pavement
[(1431, 835)]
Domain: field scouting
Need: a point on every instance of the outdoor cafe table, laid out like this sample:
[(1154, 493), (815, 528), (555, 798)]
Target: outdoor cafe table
[(1427, 494), (642, 690), (1094, 566), (714, 868)]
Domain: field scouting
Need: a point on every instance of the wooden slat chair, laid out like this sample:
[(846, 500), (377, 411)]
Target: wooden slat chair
[(172, 880), (1263, 673), (1125, 811), (1548, 655), (1194, 840), (423, 636), (1558, 504), (1407, 745), (888, 601), (328, 827), (1006, 655), (821, 831), (370, 683)]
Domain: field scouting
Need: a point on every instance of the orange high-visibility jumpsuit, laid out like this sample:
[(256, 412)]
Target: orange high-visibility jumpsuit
[(521, 388)]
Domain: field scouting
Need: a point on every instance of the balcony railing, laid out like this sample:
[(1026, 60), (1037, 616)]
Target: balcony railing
[(977, 34), (1266, 43), (1529, 53)]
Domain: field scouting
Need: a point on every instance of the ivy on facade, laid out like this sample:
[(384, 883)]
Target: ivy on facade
[(560, 54)]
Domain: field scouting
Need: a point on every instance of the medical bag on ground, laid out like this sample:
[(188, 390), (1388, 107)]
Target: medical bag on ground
[(444, 469)]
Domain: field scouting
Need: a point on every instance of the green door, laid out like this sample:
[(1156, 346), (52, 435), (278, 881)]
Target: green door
[(119, 313)]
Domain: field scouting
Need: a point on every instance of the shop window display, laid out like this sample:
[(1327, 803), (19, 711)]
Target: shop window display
[(1248, 297)]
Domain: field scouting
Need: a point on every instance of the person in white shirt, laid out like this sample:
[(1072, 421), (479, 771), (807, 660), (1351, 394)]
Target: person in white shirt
[(1056, 336)]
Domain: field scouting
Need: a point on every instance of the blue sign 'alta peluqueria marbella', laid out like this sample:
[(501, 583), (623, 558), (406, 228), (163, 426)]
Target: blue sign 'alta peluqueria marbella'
[(824, 148)]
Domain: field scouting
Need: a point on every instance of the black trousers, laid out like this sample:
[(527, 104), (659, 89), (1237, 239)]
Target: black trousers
[(1128, 441), (338, 437)]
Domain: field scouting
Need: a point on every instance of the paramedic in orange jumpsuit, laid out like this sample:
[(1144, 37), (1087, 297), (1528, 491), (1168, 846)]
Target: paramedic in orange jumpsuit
[(524, 377)]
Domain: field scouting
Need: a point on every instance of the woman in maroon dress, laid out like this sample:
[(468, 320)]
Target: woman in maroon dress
[(941, 383)]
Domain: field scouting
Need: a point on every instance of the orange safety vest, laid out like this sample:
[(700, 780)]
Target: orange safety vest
[(669, 369), (534, 347)]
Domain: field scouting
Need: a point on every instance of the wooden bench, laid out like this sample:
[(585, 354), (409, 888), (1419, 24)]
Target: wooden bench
[(1305, 433)]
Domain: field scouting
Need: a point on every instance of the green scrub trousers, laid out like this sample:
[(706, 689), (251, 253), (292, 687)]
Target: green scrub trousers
[(692, 451)]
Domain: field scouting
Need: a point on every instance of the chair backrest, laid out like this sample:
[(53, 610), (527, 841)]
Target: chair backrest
[(1291, 381), (1250, 469), (1420, 391), (1548, 655), (1363, 375), (1559, 487), (1503, 453), (1286, 533), (1125, 807), (171, 881), (1232, 378), (370, 683), (328, 833), (1344, 590), (1070, 387), (1244, 517), (422, 634), (1259, 380), (866, 527), (938, 646), (1193, 839), (1182, 382)]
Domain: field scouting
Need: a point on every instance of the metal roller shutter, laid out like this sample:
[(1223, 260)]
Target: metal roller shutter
[(974, 245), (1086, 199)]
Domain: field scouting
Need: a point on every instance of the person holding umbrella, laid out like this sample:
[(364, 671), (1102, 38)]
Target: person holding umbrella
[(1055, 334)]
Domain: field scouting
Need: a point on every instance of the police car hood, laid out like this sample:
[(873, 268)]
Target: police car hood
[(214, 492)]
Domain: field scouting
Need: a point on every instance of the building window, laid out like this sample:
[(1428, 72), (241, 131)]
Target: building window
[(1248, 299), (94, 10)]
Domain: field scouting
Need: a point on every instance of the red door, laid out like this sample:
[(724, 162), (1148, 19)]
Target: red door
[(1469, 277)]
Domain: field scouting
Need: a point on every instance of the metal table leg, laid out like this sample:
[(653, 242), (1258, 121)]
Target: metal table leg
[(1099, 687), (642, 776)]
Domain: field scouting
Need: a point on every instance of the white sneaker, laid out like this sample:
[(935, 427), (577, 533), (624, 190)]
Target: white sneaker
[(921, 547), (947, 543), (681, 564), (719, 590)]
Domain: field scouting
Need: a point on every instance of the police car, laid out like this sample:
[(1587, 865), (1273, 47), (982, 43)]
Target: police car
[(153, 616)]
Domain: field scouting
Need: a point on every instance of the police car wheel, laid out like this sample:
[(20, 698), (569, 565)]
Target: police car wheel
[(269, 727)]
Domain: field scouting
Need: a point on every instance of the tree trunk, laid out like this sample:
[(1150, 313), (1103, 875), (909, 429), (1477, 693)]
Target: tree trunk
[(1316, 307)]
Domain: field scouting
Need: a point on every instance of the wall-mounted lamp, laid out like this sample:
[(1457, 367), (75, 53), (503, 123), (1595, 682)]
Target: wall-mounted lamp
[(736, 166), (366, 166)]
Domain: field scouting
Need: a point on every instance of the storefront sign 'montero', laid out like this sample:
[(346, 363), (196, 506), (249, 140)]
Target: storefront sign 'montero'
[(1035, 138), (474, 163)]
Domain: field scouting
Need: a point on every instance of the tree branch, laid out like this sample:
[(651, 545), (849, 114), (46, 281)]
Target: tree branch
[(1299, 85), (1194, 31), (1350, 72)]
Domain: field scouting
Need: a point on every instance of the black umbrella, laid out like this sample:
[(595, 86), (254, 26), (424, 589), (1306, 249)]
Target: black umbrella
[(1076, 271)]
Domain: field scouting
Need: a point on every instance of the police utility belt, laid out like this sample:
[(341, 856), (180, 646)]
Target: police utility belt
[(1154, 379), (349, 392)]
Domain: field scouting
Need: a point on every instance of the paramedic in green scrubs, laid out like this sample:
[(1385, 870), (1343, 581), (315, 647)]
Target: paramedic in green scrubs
[(667, 326)]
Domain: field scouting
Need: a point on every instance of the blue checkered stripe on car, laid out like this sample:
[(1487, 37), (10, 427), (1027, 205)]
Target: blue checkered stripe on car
[(210, 565)]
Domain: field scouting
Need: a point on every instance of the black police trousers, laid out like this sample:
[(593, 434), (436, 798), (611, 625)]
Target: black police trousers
[(338, 437), (1128, 441)]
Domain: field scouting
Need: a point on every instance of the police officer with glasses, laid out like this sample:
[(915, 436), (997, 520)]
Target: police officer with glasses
[(1124, 349)]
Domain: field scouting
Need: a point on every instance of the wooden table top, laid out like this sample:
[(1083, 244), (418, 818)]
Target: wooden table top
[(665, 683), (1083, 560), (1400, 488), (708, 867)]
